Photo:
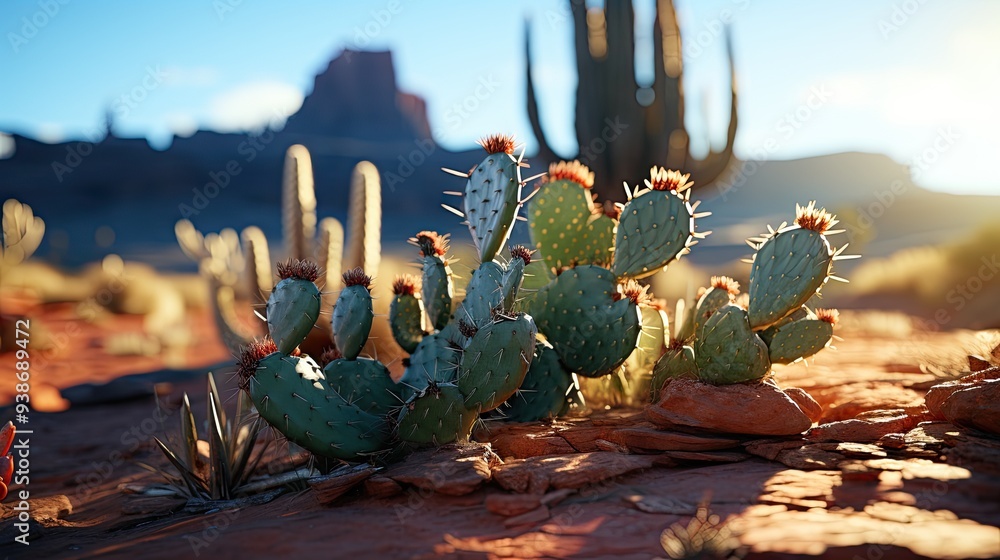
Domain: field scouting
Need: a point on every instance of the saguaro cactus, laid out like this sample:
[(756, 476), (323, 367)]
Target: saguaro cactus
[(609, 114)]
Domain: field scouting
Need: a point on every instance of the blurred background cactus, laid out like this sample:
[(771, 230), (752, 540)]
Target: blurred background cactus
[(238, 267), (646, 122)]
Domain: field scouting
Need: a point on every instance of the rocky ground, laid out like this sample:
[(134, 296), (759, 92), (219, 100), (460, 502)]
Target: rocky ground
[(878, 476)]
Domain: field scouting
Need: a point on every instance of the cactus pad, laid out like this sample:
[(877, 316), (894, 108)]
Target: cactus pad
[(352, 314), (406, 314), (677, 362), (436, 416), (727, 351), (364, 383), (801, 338), (294, 305), (579, 315), (543, 393), (495, 361), (292, 394), (493, 196)]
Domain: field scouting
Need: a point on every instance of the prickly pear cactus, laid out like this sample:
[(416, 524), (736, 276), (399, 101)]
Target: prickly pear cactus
[(353, 314), (435, 359), (495, 361), (364, 383), (677, 362), (722, 291), (406, 313), (545, 391), (294, 304), (561, 216), (791, 265), (656, 226), (436, 416), (802, 338), (591, 323), (728, 351), (493, 196), (483, 295), (436, 284), (513, 275), (292, 394)]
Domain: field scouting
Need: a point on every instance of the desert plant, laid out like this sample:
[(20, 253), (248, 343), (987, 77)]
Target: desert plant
[(22, 233), (590, 312), (230, 450), (607, 94), (238, 266), (724, 340)]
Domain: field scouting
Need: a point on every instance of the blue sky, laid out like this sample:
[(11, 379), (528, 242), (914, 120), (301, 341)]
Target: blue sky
[(915, 79)]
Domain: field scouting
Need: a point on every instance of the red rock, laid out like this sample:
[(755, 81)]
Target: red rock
[(538, 474), (846, 402), (977, 407), (759, 409), (509, 505), (805, 401), (541, 513), (382, 487), (454, 469), (869, 429), (641, 439)]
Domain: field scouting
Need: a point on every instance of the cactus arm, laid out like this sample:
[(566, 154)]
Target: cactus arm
[(257, 264), (298, 203), (222, 299), (22, 232), (364, 222), (329, 255), (545, 152)]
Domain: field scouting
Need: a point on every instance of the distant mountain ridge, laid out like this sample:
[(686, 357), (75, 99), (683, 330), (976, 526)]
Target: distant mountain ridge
[(356, 112)]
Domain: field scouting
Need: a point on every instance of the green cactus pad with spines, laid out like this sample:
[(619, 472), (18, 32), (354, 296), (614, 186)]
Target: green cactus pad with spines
[(727, 351), (435, 359), (405, 320), (365, 383), (799, 339), (600, 240), (292, 394), (711, 301), (436, 290), (492, 199), (483, 294), (436, 416), (685, 330), (788, 269), (352, 320), (543, 393), (578, 314), (654, 228), (495, 361), (801, 313), (558, 219), (292, 311), (510, 284), (677, 362)]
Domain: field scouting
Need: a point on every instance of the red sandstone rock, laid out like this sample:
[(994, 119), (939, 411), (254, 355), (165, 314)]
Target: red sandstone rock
[(868, 429), (809, 406), (759, 409), (977, 406)]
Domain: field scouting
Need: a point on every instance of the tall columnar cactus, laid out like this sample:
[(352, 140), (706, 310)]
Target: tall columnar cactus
[(610, 111), (22, 233), (726, 342), (237, 268)]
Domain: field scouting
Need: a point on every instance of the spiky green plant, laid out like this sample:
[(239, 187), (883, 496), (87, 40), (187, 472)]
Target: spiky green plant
[(231, 442), (237, 267), (723, 340)]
